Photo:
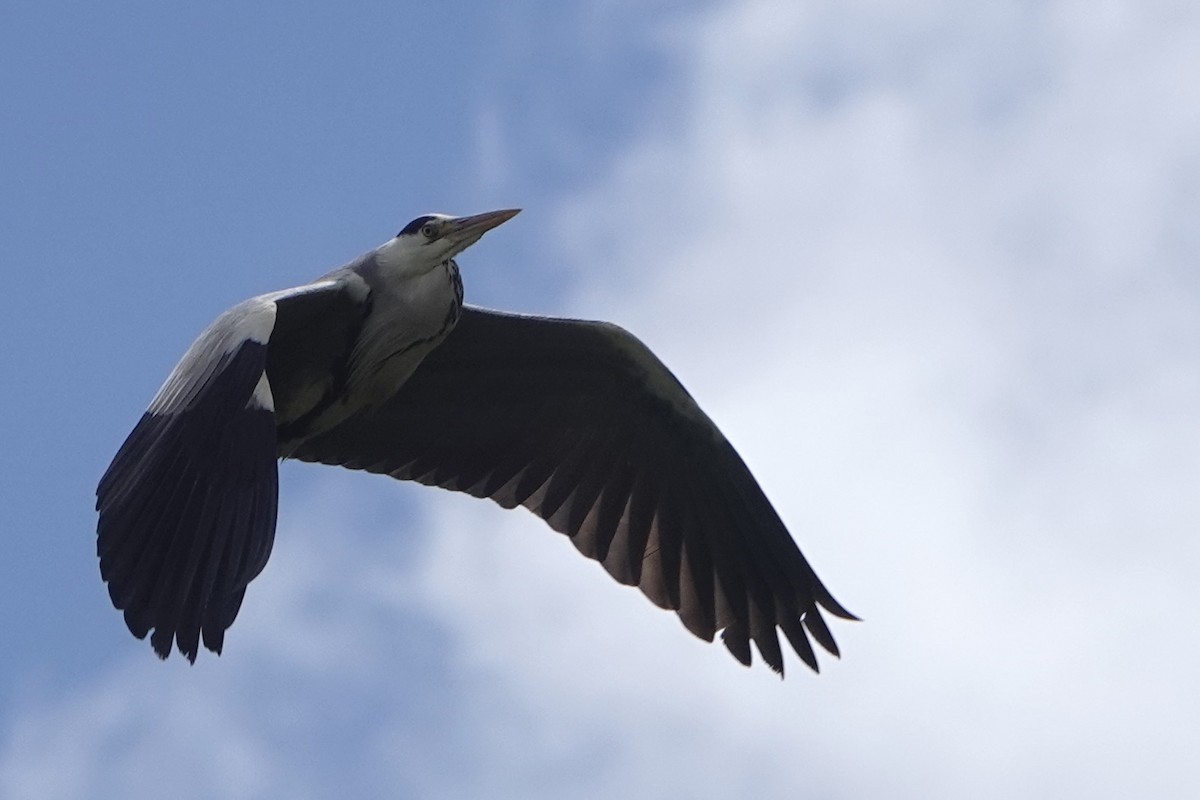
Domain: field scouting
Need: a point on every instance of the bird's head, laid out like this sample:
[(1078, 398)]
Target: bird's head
[(434, 239)]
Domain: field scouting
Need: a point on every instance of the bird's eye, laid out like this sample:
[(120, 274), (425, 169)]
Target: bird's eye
[(429, 230)]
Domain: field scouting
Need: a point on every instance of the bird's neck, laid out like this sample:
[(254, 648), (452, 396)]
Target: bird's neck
[(408, 319)]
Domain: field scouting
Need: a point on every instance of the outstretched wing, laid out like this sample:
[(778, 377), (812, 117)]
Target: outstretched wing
[(187, 507), (582, 424)]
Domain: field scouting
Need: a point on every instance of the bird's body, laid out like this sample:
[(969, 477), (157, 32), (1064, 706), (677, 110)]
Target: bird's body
[(379, 366), (403, 318)]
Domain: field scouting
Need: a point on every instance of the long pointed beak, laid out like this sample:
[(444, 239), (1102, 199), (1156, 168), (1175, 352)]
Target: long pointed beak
[(469, 229)]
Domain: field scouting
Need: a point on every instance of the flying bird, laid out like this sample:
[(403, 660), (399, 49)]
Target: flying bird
[(379, 366)]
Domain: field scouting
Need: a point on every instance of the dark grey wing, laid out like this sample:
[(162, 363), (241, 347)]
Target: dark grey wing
[(582, 424), (187, 507)]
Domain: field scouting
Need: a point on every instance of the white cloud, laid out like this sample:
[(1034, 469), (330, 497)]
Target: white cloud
[(964, 283)]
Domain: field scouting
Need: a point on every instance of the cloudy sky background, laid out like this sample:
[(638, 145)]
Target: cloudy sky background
[(934, 268)]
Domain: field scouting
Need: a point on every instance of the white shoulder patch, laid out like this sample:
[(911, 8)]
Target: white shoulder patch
[(251, 320), (262, 397)]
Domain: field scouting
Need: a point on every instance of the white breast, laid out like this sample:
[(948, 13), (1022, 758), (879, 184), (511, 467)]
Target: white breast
[(408, 320)]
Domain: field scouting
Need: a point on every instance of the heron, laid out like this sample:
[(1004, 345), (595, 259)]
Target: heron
[(379, 366)]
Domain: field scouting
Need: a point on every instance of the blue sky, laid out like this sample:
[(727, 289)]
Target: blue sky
[(931, 267)]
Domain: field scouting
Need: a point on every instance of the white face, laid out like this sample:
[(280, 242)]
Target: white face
[(434, 239), (419, 247)]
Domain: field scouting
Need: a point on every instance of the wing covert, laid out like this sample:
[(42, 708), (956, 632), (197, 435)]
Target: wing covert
[(582, 424)]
